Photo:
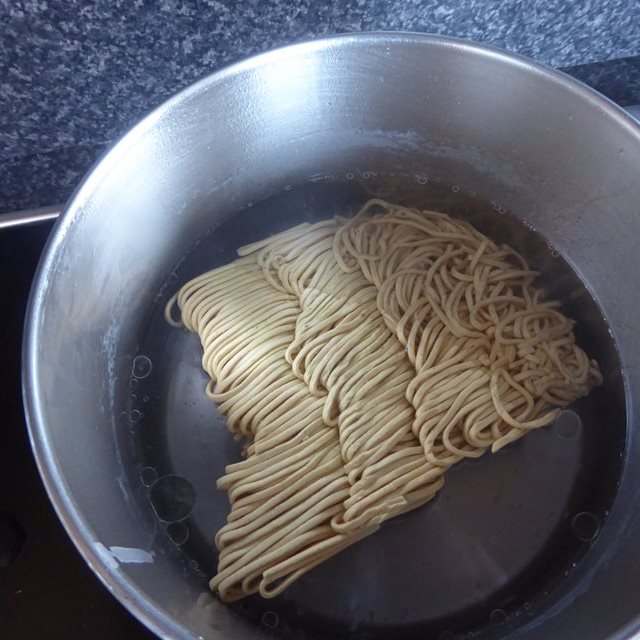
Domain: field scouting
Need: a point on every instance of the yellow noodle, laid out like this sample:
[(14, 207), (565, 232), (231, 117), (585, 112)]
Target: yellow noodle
[(359, 359)]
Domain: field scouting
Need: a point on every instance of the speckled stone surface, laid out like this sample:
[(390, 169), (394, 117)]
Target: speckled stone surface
[(43, 179), (75, 75)]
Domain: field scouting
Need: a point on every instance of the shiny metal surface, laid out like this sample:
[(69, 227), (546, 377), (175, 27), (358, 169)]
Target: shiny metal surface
[(560, 156), (29, 216)]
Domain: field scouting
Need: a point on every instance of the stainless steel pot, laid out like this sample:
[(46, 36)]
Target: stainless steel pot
[(129, 449)]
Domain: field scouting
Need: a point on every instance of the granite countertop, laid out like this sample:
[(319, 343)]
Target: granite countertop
[(75, 76)]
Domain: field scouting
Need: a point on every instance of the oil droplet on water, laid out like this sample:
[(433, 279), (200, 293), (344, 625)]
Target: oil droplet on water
[(568, 424), (141, 367), (455, 188), (135, 416), (498, 616), (287, 187), (172, 498), (422, 180), (178, 532), (148, 475), (270, 619), (585, 526), (349, 176)]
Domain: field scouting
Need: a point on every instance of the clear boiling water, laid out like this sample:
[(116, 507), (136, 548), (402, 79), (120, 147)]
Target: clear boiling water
[(501, 542)]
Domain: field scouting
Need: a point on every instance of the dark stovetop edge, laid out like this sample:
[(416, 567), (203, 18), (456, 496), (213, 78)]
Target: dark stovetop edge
[(619, 79)]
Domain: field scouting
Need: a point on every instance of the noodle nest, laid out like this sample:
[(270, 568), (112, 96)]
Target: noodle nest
[(358, 359)]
